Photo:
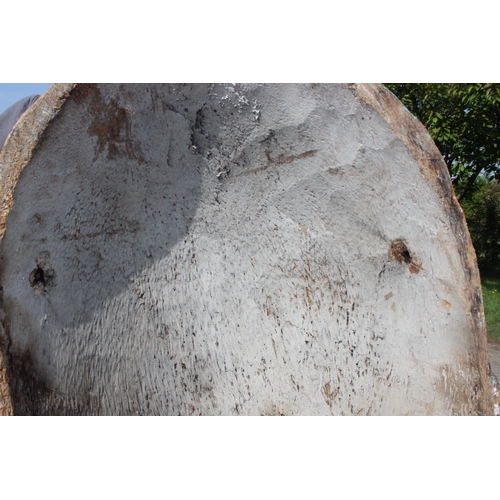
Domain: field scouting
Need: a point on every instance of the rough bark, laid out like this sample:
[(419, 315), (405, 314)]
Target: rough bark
[(223, 250)]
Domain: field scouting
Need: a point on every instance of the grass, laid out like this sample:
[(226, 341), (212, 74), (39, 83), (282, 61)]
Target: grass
[(490, 281)]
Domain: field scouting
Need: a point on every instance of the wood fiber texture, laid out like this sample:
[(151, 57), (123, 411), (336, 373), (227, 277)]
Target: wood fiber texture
[(222, 249)]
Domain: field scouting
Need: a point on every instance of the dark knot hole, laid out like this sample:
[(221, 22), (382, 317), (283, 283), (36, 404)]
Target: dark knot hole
[(37, 277)]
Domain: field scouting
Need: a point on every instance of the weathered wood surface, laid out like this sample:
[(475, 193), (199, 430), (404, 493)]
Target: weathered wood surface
[(225, 250)]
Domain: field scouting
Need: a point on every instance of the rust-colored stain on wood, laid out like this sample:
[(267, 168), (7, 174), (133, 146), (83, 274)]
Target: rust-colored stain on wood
[(328, 391), (414, 269), (110, 124)]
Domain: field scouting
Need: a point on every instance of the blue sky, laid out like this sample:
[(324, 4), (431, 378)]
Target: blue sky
[(12, 92)]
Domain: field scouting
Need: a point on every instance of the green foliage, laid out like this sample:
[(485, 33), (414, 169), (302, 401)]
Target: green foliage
[(491, 297), (482, 211), (464, 121)]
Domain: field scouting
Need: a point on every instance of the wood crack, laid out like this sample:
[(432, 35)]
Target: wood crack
[(282, 159)]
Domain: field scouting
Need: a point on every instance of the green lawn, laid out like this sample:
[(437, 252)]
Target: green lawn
[(491, 296)]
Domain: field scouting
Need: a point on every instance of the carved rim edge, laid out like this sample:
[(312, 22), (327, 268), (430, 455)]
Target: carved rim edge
[(22, 141), (14, 156), (417, 139)]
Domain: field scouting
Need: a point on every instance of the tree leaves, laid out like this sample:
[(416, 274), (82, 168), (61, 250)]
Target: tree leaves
[(464, 121), (482, 210)]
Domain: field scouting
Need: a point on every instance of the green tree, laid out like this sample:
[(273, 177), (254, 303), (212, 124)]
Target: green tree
[(463, 119), (482, 210)]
